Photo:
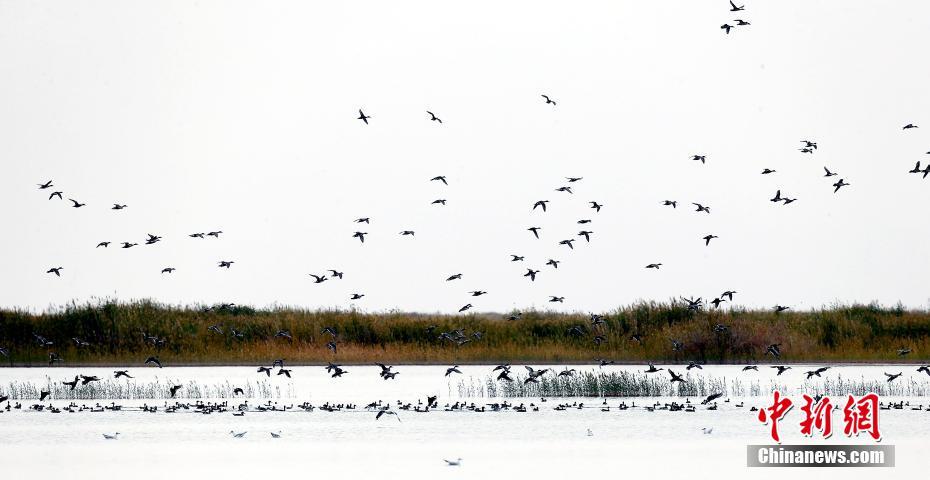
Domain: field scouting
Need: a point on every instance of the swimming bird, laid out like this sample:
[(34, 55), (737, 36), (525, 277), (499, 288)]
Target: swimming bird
[(453, 369), (153, 360), (55, 270), (76, 204), (111, 437), (362, 116), (458, 461), (839, 185), (433, 117), (360, 236), (708, 238), (549, 100), (892, 377)]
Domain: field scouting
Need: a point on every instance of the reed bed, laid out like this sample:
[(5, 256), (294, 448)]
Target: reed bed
[(114, 331), (110, 389), (626, 384)]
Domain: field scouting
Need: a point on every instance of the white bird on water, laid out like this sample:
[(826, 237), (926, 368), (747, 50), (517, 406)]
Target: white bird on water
[(111, 437), (275, 435), (707, 430), (590, 433), (453, 463), (237, 435)]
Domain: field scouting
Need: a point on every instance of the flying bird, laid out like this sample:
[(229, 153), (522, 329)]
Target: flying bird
[(362, 116), (549, 100), (432, 116)]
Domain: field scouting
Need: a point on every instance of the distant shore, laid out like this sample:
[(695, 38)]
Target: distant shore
[(121, 334)]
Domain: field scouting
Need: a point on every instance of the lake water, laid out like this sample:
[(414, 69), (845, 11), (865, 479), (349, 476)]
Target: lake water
[(352, 444)]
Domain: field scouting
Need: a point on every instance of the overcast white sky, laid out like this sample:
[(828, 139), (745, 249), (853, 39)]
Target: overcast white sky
[(241, 116)]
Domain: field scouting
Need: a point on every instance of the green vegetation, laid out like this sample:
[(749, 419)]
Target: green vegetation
[(114, 331)]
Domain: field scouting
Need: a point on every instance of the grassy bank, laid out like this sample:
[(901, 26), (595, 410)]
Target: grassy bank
[(114, 331)]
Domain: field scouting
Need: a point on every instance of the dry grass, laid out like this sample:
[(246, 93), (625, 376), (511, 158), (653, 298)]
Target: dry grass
[(858, 333)]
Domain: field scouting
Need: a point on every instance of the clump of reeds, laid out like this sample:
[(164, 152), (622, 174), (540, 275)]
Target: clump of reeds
[(110, 389)]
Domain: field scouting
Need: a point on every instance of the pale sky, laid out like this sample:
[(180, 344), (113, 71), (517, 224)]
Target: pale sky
[(240, 116)]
